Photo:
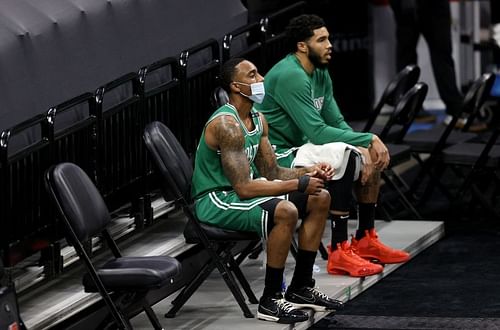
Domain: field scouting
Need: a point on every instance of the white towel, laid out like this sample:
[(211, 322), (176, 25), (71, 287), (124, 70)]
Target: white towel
[(336, 154)]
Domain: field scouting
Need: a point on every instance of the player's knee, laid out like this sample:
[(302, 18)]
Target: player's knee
[(286, 214), (320, 201)]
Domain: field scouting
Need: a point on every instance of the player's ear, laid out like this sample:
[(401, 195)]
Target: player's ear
[(235, 87), (302, 47)]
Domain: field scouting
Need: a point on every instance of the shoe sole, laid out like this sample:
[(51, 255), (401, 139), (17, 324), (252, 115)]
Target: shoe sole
[(338, 271), (271, 318), (385, 261), (316, 308)]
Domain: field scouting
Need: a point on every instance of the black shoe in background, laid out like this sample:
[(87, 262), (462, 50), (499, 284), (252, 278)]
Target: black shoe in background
[(277, 309), (424, 116), (476, 127), (310, 297)]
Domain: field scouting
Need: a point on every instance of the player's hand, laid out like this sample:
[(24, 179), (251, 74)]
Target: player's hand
[(321, 170), (368, 166), (380, 154), (315, 186)]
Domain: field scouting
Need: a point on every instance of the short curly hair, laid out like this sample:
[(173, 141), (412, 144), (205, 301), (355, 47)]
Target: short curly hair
[(302, 28), (227, 72)]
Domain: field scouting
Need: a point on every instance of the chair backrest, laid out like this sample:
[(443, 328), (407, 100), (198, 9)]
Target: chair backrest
[(475, 97), (171, 160), (219, 97), (473, 101), (405, 111), (78, 201), (396, 88), (247, 42)]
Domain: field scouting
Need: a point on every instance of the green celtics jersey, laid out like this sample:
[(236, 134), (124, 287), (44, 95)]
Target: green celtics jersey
[(300, 108), (208, 173)]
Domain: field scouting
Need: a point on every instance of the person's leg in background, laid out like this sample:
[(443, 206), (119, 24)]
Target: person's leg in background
[(435, 20), (408, 31), (495, 29)]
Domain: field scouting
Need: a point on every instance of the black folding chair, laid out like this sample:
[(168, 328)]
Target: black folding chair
[(476, 165), (394, 91), (247, 42), (219, 97), (433, 141), (176, 171), (9, 313), (399, 121), (123, 282)]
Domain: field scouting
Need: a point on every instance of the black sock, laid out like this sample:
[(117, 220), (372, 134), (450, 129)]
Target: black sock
[(366, 219), (302, 276), (339, 229), (273, 281)]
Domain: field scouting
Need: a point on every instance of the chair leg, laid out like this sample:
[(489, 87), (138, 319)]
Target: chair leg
[(322, 251), (420, 175), (435, 181), (225, 271), (486, 203), (247, 251), (110, 323), (387, 177), (383, 209), (151, 315), (121, 321), (294, 248), (256, 251), (243, 281), (191, 288)]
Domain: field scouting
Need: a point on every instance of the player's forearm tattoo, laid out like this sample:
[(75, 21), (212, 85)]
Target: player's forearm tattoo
[(268, 166)]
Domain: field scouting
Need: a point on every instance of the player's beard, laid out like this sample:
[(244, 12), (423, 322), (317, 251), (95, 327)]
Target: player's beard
[(315, 59)]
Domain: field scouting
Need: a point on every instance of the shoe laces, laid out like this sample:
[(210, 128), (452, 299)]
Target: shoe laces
[(354, 251), (284, 305), (316, 292), (372, 234)]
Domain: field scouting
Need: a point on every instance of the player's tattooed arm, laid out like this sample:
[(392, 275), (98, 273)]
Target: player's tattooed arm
[(266, 163), (231, 145)]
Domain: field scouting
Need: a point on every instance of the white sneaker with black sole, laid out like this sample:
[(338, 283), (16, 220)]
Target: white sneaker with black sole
[(277, 309)]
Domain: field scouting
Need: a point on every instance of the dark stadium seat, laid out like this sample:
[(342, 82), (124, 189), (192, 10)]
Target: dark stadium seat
[(123, 282)]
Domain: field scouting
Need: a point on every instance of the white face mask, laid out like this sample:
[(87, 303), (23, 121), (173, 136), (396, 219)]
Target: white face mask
[(258, 91)]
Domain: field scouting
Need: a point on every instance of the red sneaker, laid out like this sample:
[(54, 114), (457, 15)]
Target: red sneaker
[(370, 247), (344, 261)]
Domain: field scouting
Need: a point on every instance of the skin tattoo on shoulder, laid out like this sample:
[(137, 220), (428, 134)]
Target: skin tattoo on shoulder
[(231, 144)]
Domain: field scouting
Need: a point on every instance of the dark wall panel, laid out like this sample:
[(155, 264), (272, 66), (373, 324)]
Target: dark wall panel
[(52, 50)]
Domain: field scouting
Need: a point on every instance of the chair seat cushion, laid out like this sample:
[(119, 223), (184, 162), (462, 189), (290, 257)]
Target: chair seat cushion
[(399, 153), (135, 273), (467, 154), (216, 234), (425, 140)]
